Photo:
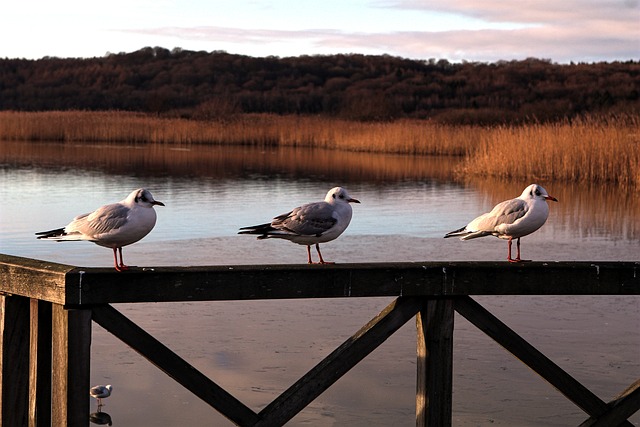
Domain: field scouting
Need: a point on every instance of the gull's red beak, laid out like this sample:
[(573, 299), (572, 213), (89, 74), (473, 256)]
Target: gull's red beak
[(155, 202), (353, 200), (551, 198)]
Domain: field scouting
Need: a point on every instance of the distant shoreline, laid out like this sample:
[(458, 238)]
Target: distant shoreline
[(594, 149), (208, 85)]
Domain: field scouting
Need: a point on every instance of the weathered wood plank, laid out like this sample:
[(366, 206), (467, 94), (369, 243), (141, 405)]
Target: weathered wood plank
[(71, 353), (620, 409), (209, 283), (350, 280), (434, 401), (40, 364), (14, 360), (538, 362), (33, 278), (339, 362), (173, 365), (248, 282)]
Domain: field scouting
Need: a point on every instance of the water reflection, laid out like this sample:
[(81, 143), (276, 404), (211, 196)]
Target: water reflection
[(585, 211), (227, 161), (392, 183), (100, 418)]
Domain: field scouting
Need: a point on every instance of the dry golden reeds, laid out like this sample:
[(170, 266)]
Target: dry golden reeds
[(403, 137), (588, 150), (605, 150)]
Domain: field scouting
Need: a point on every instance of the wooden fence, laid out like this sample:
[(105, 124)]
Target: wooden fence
[(47, 310)]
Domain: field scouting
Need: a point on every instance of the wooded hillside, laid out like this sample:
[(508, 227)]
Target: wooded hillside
[(206, 85)]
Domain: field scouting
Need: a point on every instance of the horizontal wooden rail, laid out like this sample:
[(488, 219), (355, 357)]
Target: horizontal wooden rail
[(46, 311), (72, 286)]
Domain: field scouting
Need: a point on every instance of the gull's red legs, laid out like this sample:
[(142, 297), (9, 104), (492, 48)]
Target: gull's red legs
[(322, 261), (121, 266), (517, 259)]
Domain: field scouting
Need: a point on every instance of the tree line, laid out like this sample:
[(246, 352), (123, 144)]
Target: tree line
[(212, 85)]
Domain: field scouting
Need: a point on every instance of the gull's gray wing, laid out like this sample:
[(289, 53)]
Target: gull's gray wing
[(103, 220), (312, 219), (506, 212)]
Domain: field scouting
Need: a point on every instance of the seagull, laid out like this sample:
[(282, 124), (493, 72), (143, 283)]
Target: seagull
[(101, 392), (310, 224), (112, 226), (511, 219)]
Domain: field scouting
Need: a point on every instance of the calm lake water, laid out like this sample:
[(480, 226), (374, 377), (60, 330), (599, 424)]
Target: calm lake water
[(408, 204)]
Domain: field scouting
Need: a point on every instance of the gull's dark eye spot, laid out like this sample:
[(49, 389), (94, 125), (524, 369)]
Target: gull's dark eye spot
[(342, 196), (537, 192), (141, 197), (333, 195)]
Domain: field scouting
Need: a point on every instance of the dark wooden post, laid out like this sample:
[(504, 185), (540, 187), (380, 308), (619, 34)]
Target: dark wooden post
[(435, 363), (71, 353), (40, 364), (14, 360)]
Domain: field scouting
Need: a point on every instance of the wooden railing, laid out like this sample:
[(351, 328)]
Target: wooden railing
[(47, 311)]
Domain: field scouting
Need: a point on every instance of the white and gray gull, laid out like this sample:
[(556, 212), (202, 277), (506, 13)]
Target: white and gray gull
[(511, 219), (112, 226), (100, 392), (310, 224)]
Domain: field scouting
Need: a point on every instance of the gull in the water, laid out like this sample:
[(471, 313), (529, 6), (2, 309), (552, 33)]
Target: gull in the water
[(511, 219), (310, 224), (112, 226), (101, 392)]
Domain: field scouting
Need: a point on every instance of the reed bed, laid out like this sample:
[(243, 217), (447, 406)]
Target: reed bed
[(401, 137), (589, 150), (594, 150)]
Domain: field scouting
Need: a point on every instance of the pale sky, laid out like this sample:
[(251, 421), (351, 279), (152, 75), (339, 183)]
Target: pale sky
[(455, 30)]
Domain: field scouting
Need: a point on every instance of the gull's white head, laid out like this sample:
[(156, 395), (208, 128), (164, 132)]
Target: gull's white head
[(143, 198), (339, 195), (536, 192)]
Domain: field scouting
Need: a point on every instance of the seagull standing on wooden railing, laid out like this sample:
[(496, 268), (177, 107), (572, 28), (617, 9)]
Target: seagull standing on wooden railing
[(511, 219), (112, 226), (310, 224)]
